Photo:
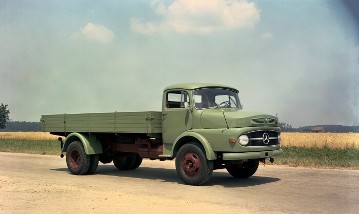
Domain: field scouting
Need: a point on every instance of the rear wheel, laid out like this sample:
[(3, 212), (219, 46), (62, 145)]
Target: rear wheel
[(78, 162), (244, 170), (127, 162), (138, 161), (192, 165), (94, 159), (120, 162)]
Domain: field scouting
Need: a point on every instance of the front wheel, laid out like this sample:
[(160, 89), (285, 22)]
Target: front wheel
[(244, 170), (78, 162), (192, 165)]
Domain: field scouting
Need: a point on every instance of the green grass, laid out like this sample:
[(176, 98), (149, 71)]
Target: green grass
[(44, 147), (319, 157), (293, 156)]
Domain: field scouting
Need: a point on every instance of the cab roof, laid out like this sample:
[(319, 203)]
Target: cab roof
[(192, 86)]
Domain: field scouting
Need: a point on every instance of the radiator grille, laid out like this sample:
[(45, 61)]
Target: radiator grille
[(263, 138)]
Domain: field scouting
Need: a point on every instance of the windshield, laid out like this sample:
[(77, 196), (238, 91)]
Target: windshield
[(216, 98)]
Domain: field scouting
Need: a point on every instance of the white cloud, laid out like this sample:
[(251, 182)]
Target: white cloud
[(98, 33), (267, 36), (200, 16), (144, 28)]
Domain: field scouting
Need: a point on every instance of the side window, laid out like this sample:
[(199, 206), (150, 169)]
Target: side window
[(177, 99), (198, 100)]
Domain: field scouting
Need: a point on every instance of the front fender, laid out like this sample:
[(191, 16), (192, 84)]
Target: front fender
[(188, 137), (90, 143)]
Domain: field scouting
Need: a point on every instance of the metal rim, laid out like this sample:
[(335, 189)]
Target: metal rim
[(75, 159), (191, 164)]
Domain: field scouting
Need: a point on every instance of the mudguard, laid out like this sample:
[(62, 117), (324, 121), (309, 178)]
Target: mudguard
[(90, 143), (188, 137)]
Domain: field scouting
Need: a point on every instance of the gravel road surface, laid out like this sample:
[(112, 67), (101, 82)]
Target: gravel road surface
[(42, 184)]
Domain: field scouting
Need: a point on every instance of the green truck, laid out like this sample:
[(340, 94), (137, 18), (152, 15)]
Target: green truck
[(202, 126)]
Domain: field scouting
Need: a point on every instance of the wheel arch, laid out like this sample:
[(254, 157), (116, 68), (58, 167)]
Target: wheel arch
[(90, 143), (188, 137)]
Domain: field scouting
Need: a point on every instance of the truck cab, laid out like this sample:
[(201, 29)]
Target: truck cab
[(211, 117)]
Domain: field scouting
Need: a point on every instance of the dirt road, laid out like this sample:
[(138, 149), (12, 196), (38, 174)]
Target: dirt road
[(42, 184)]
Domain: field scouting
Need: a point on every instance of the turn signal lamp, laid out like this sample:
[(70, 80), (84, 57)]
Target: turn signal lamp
[(232, 140)]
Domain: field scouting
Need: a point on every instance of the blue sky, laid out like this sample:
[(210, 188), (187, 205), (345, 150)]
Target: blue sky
[(299, 59)]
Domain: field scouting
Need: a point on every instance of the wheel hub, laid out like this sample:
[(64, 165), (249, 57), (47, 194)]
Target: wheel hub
[(191, 164), (75, 159)]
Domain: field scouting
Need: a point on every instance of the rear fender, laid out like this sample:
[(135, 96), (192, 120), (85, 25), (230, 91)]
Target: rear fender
[(90, 143)]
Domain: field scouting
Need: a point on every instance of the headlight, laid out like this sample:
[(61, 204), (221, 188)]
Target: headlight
[(243, 140)]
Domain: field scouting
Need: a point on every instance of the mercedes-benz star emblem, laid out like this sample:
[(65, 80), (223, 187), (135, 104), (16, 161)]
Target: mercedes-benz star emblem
[(265, 138)]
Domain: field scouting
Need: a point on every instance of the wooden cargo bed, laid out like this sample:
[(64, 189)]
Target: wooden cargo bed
[(149, 122)]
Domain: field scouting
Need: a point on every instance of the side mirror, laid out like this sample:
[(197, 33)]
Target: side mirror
[(187, 106)]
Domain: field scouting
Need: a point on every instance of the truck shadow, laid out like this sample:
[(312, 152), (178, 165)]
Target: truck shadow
[(219, 178)]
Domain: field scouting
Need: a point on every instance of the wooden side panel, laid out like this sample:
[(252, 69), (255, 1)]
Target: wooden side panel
[(54, 123), (131, 122), (114, 122)]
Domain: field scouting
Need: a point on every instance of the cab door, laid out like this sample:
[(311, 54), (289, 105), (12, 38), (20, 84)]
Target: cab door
[(176, 116)]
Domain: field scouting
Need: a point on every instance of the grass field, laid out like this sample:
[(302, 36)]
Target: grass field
[(28, 136), (334, 150), (29, 142), (320, 140), (324, 157)]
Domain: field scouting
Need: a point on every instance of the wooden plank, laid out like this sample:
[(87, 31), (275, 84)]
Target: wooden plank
[(121, 122)]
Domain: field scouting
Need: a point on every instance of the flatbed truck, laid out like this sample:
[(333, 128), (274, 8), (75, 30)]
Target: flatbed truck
[(202, 126)]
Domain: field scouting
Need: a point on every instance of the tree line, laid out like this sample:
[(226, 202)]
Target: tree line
[(7, 125), (4, 115), (323, 128), (22, 126)]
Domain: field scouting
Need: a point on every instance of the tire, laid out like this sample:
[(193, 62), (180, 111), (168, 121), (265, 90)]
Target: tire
[(94, 159), (78, 162), (138, 161), (130, 162), (127, 162), (120, 162), (192, 165), (245, 170)]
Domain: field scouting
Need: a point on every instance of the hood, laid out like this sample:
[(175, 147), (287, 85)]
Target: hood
[(211, 119)]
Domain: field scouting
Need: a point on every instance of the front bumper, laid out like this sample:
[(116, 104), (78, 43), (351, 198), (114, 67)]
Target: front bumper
[(252, 155)]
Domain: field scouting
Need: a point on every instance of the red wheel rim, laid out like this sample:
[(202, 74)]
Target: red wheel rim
[(191, 164), (75, 159)]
